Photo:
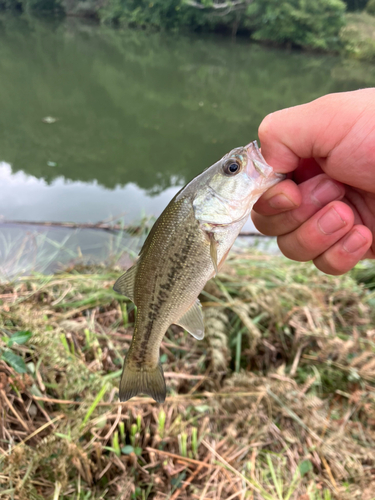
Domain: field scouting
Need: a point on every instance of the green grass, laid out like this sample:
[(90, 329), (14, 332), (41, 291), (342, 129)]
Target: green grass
[(276, 403)]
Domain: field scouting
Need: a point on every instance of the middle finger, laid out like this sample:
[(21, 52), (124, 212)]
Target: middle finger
[(315, 193)]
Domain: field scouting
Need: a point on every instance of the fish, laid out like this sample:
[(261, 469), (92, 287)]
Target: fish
[(186, 247)]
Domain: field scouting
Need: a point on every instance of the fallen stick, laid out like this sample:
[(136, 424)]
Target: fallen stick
[(100, 225)]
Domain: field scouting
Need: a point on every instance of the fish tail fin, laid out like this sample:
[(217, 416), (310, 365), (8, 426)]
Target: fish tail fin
[(150, 382)]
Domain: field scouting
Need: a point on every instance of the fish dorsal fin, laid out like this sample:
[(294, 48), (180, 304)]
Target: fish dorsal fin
[(192, 321), (125, 283), (213, 251)]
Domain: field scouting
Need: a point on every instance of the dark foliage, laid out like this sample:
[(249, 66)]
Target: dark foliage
[(297, 22), (353, 5)]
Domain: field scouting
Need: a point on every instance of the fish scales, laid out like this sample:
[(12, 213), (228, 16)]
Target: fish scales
[(177, 252), (185, 248)]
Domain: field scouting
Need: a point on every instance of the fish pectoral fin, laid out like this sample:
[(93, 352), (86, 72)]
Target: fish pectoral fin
[(213, 251), (125, 283), (192, 321)]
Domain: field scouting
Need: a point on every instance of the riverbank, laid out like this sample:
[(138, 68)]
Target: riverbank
[(352, 34), (276, 402), (307, 25)]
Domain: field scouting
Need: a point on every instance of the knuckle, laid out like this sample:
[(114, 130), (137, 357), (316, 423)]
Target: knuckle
[(291, 249), (303, 242), (260, 226), (276, 225), (267, 230), (263, 224), (292, 220)]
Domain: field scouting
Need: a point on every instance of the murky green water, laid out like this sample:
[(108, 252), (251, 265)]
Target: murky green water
[(138, 114)]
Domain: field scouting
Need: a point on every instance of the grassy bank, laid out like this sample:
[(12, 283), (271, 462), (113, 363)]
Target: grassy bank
[(277, 402)]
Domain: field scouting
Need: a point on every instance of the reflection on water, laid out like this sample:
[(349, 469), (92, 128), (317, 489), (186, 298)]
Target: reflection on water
[(24, 197), (138, 114)]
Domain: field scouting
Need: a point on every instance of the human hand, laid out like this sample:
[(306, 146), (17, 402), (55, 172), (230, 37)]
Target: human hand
[(325, 210)]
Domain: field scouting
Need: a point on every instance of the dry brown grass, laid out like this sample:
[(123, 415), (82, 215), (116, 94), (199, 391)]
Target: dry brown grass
[(277, 403)]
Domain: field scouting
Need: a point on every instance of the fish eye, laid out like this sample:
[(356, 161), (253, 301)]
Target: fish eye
[(231, 167)]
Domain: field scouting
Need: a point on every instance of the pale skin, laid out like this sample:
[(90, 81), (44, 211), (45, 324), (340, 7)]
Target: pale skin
[(325, 210)]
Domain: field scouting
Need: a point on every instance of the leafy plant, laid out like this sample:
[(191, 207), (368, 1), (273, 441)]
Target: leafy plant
[(14, 361), (299, 22), (167, 14), (10, 357)]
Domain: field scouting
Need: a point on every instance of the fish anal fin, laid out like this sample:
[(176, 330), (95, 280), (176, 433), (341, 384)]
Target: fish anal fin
[(150, 382), (192, 321), (125, 283)]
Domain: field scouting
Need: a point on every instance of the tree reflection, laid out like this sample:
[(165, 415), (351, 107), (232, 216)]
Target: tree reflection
[(147, 108)]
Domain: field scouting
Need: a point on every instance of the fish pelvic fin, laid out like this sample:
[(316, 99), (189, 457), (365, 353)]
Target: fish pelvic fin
[(150, 382), (192, 321)]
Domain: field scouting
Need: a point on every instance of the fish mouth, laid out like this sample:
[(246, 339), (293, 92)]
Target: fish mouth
[(257, 160), (259, 163)]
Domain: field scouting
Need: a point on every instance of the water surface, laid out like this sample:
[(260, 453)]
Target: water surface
[(137, 114)]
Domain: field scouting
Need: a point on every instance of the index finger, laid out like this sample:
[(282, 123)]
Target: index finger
[(310, 130)]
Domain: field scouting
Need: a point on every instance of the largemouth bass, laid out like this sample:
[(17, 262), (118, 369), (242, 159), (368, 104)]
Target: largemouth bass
[(185, 248)]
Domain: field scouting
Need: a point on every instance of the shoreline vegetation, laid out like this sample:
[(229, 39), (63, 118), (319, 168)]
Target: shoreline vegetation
[(336, 26), (276, 403)]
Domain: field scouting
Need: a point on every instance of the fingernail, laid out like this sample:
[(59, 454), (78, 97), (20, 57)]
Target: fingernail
[(280, 201), (331, 222), (354, 242), (325, 192)]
